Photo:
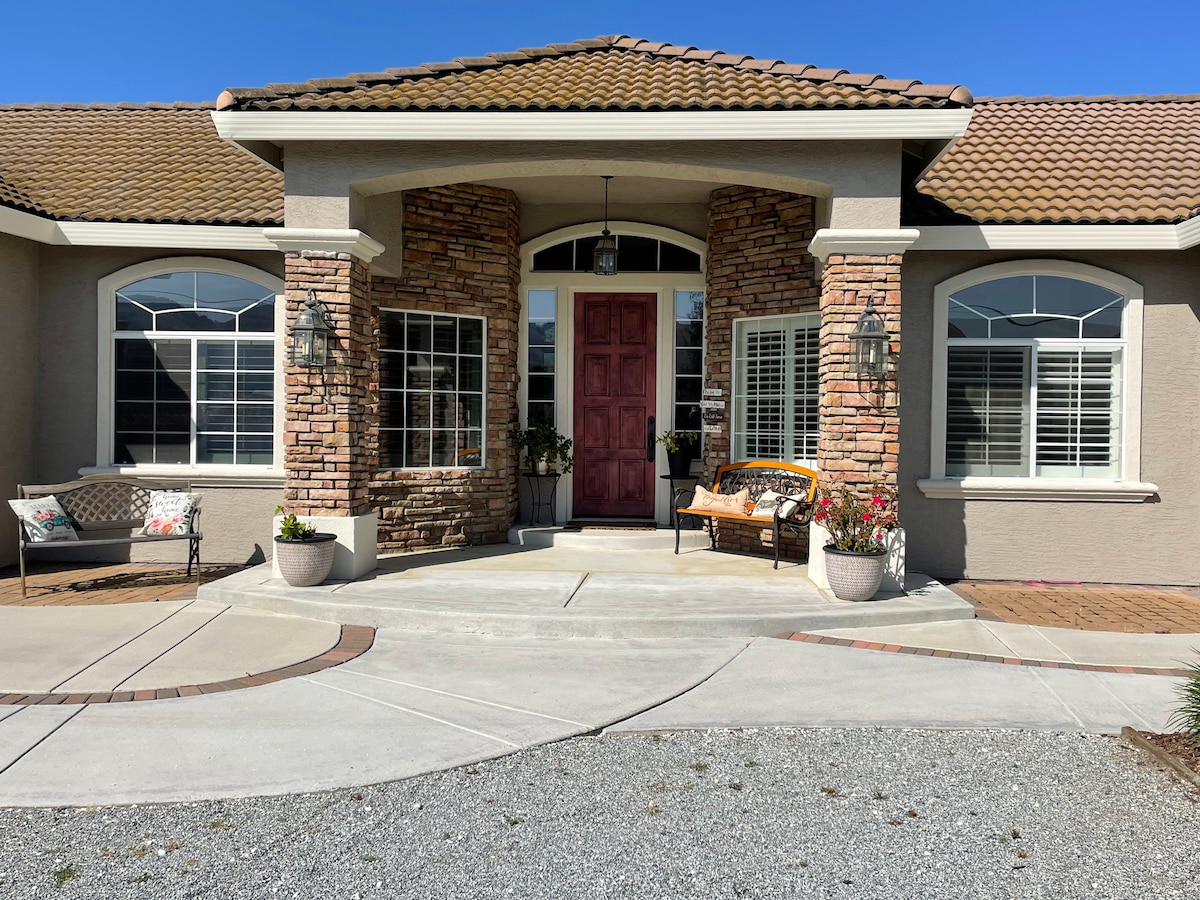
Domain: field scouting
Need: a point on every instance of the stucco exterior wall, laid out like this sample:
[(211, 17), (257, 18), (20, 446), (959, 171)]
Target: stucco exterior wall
[(18, 378), (1150, 542), (236, 519), (860, 180), (542, 218)]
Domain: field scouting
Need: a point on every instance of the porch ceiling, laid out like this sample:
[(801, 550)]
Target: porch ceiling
[(547, 189)]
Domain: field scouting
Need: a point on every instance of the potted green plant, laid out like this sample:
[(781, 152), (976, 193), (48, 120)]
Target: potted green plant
[(856, 552), (681, 450), (304, 554), (545, 449)]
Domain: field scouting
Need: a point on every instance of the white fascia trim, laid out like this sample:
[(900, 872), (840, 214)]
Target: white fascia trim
[(192, 237), (132, 234), (1069, 490), (1060, 237), (681, 125), (325, 240), (868, 241), (26, 225)]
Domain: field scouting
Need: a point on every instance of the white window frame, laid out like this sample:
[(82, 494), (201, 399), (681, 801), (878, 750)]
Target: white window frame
[(483, 450), (815, 317), (106, 304), (1127, 486)]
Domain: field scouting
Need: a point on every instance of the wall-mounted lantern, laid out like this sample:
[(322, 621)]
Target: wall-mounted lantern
[(310, 334), (604, 257), (870, 341)]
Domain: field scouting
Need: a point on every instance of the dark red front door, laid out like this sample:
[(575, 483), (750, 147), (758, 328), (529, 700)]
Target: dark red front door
[(614, 400)]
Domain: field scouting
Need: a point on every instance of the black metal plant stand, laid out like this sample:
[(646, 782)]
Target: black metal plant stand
[(540, 499)]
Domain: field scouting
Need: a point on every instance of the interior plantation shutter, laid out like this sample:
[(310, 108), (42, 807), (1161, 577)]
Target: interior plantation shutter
[(765, 382), (987, 411), (806, 386), (1078, 420)]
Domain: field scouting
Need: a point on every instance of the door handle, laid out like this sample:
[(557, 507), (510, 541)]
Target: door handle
[(650, 439)]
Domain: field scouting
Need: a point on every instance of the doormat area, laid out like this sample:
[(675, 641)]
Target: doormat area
[(614, 525)]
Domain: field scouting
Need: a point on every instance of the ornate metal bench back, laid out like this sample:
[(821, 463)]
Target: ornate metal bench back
[(761, 479), (101, 504)]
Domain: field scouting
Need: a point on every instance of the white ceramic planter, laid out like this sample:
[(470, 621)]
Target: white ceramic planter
[(854, 576), (306, 563)]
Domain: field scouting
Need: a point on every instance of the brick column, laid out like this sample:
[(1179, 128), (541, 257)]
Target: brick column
[(328, 436), (859, 418), (329, 429)]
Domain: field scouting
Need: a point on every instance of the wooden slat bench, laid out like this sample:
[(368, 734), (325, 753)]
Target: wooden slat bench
[(759, 476), (103, 504)]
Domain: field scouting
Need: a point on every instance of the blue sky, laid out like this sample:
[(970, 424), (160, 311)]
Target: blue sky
[(137, 50)]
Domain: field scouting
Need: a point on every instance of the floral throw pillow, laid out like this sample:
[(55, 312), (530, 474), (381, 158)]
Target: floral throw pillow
[(770, 500), (170, 512), (44, 520), (721, 503)]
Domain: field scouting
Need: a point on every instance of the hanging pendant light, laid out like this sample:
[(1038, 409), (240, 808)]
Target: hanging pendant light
[(604, 257)]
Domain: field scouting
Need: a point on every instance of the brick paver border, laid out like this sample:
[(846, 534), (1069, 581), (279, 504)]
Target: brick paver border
[(975, 657), (355, 640)]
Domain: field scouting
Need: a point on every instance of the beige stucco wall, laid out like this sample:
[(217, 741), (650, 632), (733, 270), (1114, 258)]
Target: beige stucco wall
[(236, 520), (326, 181), (18, 378), (542, 218), (1151, 542)]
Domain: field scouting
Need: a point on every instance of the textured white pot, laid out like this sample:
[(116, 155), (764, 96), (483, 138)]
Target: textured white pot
[(306, 563), (854, 576)]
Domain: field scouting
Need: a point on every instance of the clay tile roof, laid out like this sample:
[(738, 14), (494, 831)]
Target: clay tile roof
[(1100, 160), (131, 163), (613, 72)]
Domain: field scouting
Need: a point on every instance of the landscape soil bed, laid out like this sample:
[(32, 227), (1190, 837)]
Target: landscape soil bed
[(1179, 746)]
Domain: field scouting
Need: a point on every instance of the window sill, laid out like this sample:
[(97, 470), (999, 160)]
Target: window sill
[(197, 476), (1061, 489)]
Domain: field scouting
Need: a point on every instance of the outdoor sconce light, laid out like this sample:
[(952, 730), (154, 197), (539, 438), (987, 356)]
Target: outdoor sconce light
[(870, 342), (604, 257), (310, 334)]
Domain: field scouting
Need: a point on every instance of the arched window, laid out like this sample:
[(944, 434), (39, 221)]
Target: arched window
[(1034, 373), (192, 365)]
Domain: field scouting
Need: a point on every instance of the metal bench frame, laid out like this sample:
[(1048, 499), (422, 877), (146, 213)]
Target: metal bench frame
[(103, 504), (793, 481)]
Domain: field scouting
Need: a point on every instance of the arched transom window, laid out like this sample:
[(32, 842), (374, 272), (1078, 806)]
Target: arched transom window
[(193, 370), (1035, 373)]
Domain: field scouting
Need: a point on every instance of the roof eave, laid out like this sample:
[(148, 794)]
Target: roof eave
[(247, 126)]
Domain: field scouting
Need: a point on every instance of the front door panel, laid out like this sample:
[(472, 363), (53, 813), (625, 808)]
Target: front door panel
[(614, 398)]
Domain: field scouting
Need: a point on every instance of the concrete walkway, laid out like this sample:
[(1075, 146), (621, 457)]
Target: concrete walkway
[(417, 703), (144, 646)]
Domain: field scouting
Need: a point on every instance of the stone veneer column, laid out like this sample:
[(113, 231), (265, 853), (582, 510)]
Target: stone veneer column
[(329, 431), (462, 255), (859, 441)]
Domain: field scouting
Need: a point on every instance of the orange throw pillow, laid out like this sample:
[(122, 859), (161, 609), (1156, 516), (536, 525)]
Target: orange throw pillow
[(721, 503)]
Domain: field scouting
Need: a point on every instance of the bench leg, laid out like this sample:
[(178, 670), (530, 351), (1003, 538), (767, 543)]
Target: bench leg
[(775, 539), (22, 555), (712, 533), (194, 556), (677, 518)]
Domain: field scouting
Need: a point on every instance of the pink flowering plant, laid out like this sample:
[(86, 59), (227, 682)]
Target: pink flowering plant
[(856, 524)]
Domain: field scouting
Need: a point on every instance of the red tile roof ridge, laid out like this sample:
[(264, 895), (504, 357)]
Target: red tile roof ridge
[(1079, 98), (955, 93)]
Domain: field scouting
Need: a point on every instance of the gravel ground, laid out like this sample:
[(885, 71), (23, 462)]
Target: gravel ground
[(753, 814)]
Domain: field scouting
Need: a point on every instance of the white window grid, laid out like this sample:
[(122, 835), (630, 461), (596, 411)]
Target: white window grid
[(458, 434), (681, 380)]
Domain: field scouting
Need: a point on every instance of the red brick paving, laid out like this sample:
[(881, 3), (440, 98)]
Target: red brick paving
[(1141, 609)]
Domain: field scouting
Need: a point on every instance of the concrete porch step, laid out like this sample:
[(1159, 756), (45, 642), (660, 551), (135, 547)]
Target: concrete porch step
[(599, 538), (566, 593)]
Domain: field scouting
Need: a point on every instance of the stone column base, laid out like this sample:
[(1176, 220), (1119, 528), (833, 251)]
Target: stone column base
[(893, 574), (356, 544)]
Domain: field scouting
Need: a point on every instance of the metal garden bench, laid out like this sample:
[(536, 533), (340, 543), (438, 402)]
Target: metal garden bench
[(793, 482), (100, 505)]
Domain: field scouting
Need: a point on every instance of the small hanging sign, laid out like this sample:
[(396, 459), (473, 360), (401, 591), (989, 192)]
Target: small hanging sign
[(712, 429), (712, 404), (713, 392)]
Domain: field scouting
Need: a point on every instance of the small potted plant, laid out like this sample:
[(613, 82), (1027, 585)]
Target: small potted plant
[(856, 552), (305, 555), (545, 449), (681, 450)]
